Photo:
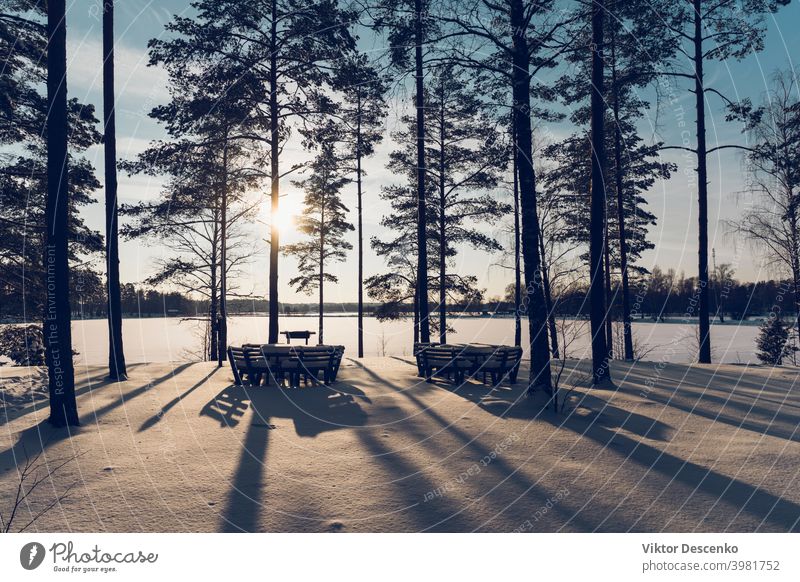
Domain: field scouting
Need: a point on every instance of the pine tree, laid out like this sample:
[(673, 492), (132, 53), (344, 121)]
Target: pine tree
[(324, 222), (23, 177), (58, 316), (410, 25), (510, 43), (464, 159), (601, 373), (197, 218), (705, 31), (291, 47), (116, 354), (633, 52), (213, 115), (363, 110), (773, 342)]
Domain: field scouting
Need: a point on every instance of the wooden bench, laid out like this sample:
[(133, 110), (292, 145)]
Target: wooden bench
[(337, 361), (491, 362), (420, 347), (444, 362), (238, 364), (514, 361), (281, 364)]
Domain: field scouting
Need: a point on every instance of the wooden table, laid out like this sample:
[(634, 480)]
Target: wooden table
[(305, 334)]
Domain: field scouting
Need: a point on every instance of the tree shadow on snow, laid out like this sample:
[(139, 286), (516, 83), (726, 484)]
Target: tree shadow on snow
[(312, 410)]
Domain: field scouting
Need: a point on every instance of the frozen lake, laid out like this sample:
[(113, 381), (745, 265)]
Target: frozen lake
[(173, 339)]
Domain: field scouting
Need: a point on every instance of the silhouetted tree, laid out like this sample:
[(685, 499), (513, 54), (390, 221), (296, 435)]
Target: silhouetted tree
[(397, 288), (410, 24), (773, 342), (464, 161), (634, 49), (291, 47), (204, 196), (772, 222), (116, 354), (57, 331), (24, 172), (601, 373), (705, 31), (363, 111), (324, 222), (512, 41)]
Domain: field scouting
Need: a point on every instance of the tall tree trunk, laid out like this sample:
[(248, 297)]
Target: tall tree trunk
[(359, 112), (213, 304), (274, 125), (794, 233), (619, 173), (704, 356), (548, 301), (422, 238), (321, 310), (537, 314), (442, 229), (57, 316), (116, 355), (609, 296), (416, 315), (517, 258), (222, 328), (627, 329), (601, 374)]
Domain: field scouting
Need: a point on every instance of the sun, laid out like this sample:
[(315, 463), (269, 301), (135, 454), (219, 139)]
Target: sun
[(285, 220)]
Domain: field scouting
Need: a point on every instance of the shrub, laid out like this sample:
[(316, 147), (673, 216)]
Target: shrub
[(773, 342), (23, 344)]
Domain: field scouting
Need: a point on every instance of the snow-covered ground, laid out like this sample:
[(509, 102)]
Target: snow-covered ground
[(179, 448)]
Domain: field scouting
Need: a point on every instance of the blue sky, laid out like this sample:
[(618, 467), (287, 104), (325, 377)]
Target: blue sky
[(139, 88)]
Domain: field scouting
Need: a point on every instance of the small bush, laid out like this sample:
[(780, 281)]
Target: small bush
[(773, 342), (23, 344)]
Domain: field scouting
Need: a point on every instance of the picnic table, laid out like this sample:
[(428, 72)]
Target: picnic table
[(301, 334)]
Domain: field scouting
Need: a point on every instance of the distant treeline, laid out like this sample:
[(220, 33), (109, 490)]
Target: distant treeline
[(88, 302), (665, 293), (660, 294)]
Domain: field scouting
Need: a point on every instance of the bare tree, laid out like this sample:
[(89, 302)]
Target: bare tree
[(31, 474), (772, 222)]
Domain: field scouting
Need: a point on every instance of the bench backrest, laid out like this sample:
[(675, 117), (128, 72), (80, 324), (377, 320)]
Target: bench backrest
[(498, 356), (272, 350), (514, 355), (237, 361), (419, 347), (253, 355), (317, 357), (236, 357), (438, 356)]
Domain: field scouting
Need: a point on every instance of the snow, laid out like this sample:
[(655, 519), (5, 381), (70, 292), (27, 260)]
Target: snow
[(179, 448)]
